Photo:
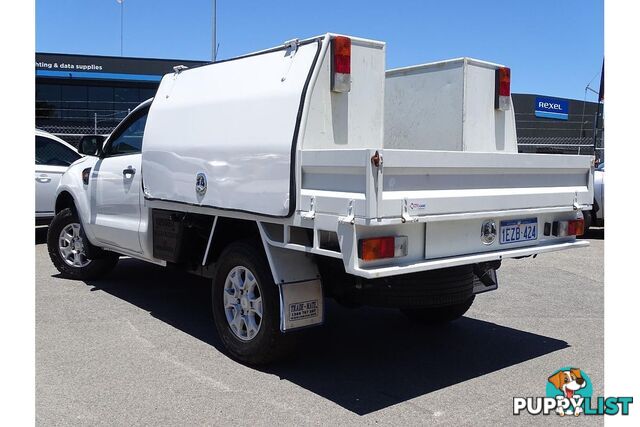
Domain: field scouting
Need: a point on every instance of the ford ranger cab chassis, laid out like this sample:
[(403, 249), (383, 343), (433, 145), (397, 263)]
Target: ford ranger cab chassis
[(307, 171)]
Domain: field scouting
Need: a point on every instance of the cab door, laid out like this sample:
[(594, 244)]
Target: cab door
[(116, 184)]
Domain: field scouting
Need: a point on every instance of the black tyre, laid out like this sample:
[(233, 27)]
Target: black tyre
[(435, 315), (434, 288), (246, 305), (69, 248), (588, 220)]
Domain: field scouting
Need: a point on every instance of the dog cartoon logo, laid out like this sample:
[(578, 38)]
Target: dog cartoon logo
[(569, 382)]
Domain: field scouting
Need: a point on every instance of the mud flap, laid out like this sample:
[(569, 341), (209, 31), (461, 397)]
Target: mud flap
[(298, 279), (301, 305)]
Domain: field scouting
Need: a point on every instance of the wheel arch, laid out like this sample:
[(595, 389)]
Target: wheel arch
[(65, 200), (286, 265), (227, 231)]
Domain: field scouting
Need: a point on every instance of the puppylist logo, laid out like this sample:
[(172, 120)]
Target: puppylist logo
[(570, 392)]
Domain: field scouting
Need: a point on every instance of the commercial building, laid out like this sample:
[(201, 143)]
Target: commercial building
[(84, 94), (547, 124)]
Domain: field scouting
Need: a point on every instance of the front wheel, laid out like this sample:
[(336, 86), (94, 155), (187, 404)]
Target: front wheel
[(246, 305), (437, 315), (68, 245)]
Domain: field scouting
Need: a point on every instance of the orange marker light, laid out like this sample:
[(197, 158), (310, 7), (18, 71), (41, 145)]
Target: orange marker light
[(377, 248)]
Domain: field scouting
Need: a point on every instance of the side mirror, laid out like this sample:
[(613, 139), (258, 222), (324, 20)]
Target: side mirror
[(91, 145)]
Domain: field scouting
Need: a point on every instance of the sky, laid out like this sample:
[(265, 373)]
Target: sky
[(553, 47)]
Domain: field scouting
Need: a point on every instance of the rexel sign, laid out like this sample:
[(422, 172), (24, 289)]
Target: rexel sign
[(552, 108)]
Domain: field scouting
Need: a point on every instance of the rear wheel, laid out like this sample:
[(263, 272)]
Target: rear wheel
[(435, 315), (246, 305), (68, 249), (588, 220), (434, 288)]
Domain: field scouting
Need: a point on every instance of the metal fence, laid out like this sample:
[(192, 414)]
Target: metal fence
[(526, 144), (102, 124), (71, 129), (563, 145)]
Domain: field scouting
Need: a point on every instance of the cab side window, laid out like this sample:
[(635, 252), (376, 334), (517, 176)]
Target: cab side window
[(129, 140), (52, 153)]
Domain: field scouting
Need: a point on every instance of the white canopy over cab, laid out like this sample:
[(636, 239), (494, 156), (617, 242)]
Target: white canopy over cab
[(229, 128)]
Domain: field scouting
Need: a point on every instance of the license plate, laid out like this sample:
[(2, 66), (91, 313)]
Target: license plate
[(518, 230)]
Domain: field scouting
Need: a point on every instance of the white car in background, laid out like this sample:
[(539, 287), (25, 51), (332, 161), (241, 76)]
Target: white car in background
[(53, 157), (595, 217)]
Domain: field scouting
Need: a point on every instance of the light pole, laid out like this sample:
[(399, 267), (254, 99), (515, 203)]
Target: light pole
[(214, 46), (121, 3)]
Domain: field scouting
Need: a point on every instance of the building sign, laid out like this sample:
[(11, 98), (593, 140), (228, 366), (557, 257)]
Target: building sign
[(552, 108), (105, 67)]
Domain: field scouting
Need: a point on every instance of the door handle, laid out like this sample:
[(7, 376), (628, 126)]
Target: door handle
[(128, 171), (43, 179)]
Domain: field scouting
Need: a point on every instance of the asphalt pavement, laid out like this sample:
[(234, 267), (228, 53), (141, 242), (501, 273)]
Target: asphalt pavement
[(139, 347)]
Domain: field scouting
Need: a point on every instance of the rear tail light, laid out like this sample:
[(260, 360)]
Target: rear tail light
[(503, 89), (382, 247), (341, 64), (574, 227)]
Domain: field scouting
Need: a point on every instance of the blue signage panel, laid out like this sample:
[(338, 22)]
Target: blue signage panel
[(552, 108)]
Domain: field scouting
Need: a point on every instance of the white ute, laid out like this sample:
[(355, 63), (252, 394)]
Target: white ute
[(306, 171)]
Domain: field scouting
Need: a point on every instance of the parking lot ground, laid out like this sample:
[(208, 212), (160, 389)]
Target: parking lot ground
[(139, 347)]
